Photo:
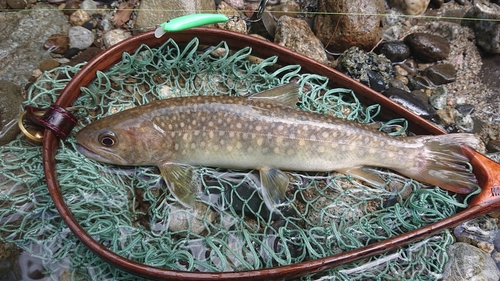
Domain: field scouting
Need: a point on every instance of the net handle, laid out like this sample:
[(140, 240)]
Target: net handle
[(261, 48)]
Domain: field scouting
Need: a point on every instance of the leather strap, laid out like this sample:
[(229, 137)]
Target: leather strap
[(57, 119)]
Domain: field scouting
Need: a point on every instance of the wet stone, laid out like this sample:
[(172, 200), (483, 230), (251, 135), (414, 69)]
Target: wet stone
[(57, 43), (465, 109), (366, 67), (395, 51), (438, 98), (419, 83), (236, 25), (428, 47), (440, 74), (411, 102), (80, 37), (469, 263), (10, 108)]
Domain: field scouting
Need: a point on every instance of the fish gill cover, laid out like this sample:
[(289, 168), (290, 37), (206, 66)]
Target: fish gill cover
[(128, 209)]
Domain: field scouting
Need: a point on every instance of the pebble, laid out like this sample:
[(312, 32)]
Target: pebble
[(17, 4), (71, 6), (440, 74), (114, 36), (438, 97), (487, 30), (410, 7), (410, 66), (410, 102), (339, 26), (355, 63), (396, 51), (89, 6), (419, 83), (80, 37), (57, 43), (10, 107), (428, 47), (79, 17), (48, 64), (470, 263), (291, 9), (296, 34)]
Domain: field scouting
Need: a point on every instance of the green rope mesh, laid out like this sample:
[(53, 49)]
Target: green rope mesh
[(129, 210)]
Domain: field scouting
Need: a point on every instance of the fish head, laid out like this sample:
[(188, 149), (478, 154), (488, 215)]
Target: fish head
[(120, 139)]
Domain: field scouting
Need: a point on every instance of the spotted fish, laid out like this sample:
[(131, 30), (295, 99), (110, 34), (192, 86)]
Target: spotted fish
[(265, 132)]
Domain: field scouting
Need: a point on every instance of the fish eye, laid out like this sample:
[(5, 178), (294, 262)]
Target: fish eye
[(107, 139)]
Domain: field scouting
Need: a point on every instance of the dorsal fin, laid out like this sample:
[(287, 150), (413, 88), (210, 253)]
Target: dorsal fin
[(287, 94)]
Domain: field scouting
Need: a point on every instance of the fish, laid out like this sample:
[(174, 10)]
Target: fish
[(266, 132)]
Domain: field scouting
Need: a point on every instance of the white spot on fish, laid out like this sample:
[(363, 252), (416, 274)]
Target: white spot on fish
[(302, 142), (260, 141), (238, 125)]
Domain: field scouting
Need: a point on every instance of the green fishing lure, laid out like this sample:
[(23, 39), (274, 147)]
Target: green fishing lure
[(189, 21)]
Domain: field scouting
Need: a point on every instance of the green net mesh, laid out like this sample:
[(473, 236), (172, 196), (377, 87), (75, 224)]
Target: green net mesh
[(128, 210)]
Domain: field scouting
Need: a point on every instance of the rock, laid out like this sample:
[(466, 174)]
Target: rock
[(57, 43), (428, 47), (296, 34), (410, 102), (419, 83), (340, 26), (494, 146), (23, 35), (80, 37), (469, 263), (48, 65), (487, 30), (114, 36), (236, 25), (153, 12), (438, 98), (89, 6), (79, 17), (17, 4), (84, 56), (396, 51), (369, 68), (10, 108), (440, 74), (410, 7)]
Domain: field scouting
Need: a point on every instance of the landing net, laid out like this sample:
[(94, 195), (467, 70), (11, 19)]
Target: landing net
[(130, 211)]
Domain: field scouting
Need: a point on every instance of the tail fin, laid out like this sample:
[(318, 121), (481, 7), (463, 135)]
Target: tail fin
[(444, 163)]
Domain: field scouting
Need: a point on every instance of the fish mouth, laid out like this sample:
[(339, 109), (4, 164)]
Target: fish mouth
[(90, 154)]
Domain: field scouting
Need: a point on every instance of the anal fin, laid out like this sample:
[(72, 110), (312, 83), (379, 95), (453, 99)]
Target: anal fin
[(274, 185), (181, 182), (365, 174)]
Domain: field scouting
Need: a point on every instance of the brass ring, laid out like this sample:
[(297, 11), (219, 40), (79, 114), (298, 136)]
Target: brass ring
[(32, 134)]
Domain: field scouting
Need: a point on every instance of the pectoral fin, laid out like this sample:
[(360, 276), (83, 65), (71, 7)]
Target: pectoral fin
[(181, 182), (274, 184), (287, 94), (365, 174)]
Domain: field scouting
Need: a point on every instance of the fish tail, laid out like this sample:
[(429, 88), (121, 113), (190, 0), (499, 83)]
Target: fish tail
[(444, 163)]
